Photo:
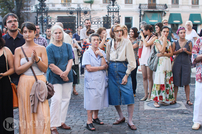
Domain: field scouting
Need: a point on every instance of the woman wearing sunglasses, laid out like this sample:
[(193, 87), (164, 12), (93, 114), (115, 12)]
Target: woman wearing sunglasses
[(122, 61)]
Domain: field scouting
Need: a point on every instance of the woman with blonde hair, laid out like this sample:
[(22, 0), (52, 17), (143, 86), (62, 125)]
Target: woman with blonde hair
[(59, 73), (121, 58), (39, 122), (125, 32)]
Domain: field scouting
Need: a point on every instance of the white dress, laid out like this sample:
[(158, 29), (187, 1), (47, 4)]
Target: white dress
[(95, 83)]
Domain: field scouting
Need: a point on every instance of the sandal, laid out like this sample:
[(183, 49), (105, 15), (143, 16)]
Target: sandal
[(164, 104), (173, 102), (90, 127), (189, 103), (97, 121), (156, 105), (75, 93), (143, 99)]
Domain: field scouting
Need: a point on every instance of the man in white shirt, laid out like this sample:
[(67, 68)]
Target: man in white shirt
[(83, 35)]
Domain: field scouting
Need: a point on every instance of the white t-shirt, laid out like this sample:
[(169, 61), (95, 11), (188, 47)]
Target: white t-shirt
[(191, 36)]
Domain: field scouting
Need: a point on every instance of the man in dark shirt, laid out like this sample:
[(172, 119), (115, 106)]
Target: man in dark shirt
[(13, 37)]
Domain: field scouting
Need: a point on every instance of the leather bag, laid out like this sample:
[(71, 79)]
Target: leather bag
[(50, 87), (13, 86), (153, 60)]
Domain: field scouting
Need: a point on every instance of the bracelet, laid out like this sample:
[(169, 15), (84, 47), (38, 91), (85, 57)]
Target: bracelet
[(38, 61)]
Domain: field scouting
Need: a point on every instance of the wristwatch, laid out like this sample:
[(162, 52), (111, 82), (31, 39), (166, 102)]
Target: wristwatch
[(101, 56), (127, 74)]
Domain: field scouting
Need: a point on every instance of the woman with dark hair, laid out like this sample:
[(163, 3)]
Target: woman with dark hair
[(30, 122), (103, 36), (121, 59), (6, 93), (163, 82), (135, 42), (158, 29), (146, 71), (182, 49)]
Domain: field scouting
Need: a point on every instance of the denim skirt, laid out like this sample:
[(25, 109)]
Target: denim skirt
[(119, 94)]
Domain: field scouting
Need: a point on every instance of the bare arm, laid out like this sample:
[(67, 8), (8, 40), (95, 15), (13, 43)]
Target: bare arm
[(151, 41), (10, 63), (42, 64), (170, 53), (19, 69), (188, 52), (55, 69)]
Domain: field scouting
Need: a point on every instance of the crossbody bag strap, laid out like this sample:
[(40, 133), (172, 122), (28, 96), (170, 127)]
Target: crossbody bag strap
[(28, 61), (4, 51)]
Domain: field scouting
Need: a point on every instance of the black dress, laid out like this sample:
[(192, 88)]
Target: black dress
[(181, 67), (6, 101)]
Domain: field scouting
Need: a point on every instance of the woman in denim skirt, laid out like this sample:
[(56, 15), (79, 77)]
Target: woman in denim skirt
[(121, 62)]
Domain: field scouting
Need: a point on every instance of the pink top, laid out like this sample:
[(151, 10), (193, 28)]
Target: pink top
[(145, 53)]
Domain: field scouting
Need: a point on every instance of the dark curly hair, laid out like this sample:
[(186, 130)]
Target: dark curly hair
[(135, 31), (148, 27)]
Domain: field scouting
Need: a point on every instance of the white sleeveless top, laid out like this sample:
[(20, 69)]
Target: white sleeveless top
[(34, 66)]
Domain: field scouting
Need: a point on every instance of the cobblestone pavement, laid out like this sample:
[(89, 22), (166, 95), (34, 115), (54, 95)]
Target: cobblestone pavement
[(148, 121)]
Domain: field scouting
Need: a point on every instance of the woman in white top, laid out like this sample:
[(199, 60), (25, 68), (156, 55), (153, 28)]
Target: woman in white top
[(190, 33), (39, 61), (121, 58), (146, 71)]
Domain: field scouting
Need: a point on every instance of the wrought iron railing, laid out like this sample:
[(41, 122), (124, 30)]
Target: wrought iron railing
[(153, 6)]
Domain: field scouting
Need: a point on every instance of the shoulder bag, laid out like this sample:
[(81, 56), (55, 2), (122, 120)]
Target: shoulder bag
[(153, 60), (14, 89), (50, 87)]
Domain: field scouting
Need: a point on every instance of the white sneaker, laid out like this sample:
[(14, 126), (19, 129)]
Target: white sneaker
[(196, 126)]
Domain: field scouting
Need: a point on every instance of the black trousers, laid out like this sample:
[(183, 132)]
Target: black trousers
[(134, 78)]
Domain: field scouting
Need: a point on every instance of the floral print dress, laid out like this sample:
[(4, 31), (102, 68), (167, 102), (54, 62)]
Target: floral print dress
[(163, 88)]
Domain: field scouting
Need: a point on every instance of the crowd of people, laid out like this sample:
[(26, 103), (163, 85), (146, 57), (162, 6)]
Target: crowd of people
[(109, 67)]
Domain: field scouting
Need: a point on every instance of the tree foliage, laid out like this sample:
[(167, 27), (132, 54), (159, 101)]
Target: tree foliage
[(14, 6)]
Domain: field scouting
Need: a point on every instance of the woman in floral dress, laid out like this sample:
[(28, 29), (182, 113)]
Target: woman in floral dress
[(163, 82)]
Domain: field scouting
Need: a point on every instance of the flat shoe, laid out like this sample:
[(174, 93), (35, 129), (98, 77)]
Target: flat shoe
[(189, 103), (119, 121), (156, 105), (148, 100), (143, 99), (64, 126), (196, 126), (132, 127), (54, 131), (97, 121), (173, 102), (164, 104), (90, 127)]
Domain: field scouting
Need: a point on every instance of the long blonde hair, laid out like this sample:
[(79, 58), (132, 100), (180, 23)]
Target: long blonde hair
[(53, 28)]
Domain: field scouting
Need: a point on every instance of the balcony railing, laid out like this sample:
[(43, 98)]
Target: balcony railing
[(153, 6)]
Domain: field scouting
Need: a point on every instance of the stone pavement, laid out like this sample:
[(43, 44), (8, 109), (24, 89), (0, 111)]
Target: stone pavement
[(148, 120)]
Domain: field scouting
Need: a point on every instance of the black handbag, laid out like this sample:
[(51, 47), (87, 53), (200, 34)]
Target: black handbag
[(75, 76), (153, 60)]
